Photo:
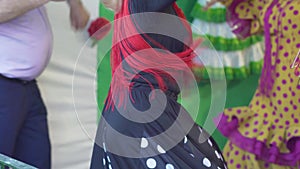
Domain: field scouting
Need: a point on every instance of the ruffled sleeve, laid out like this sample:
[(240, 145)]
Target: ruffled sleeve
[(243, 16), (227, 2)]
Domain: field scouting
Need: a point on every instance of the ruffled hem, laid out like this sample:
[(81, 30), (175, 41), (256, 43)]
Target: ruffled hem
[(217, 15), (216, 5), (269, 152), (224, 44), (228, 72), (201, 28), (235, 65), (221, 36)]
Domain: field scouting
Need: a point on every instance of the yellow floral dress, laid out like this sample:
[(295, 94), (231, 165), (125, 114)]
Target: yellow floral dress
[(266, 134)]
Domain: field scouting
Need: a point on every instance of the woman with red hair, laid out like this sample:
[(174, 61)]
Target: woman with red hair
[(140, 127)]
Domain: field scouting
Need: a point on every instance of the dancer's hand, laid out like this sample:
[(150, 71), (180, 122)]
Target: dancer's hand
[(211, 3)]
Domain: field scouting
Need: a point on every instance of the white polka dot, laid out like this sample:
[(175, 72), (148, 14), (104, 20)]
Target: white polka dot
[(185, 140), (104, 161), (222, 158), (200, 129), (108, 159), (169, 166), (219, 168), (206, 162), (151, 163), (160, 149), (144, 143), (192, 155), (209, 142), (109, 166), (217, 154), (104, 147)]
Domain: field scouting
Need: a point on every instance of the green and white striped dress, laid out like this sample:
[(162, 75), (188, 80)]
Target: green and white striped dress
[(240, 58)]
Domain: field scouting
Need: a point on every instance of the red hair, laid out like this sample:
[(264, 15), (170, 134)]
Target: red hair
[(128, 41)]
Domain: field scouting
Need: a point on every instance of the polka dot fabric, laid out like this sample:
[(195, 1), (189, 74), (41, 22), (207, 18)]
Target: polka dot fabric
[(190, 153), (153, 147), (240, 159), (266, 134)]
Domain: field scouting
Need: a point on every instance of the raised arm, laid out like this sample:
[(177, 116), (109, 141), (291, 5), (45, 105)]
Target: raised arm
[(243, 15), (10, 9), (79, 16), (213, 2), (250, 11), (145, 23), (138, 6)]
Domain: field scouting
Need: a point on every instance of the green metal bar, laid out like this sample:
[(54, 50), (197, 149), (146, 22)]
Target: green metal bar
[(6, 161), (2, 166)]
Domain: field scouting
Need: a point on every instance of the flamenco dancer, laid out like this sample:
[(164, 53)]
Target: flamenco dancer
[(266, 133), (146, 62)]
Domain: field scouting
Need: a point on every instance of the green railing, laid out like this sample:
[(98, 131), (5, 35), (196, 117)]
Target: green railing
[(7, 162)]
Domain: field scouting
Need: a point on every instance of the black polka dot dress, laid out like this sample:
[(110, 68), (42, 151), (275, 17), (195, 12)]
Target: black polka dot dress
[(190, 149), (170, 140)]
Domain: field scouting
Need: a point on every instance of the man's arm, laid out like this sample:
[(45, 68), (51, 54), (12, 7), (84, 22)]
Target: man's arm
[(79, 16), (10, 9)]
